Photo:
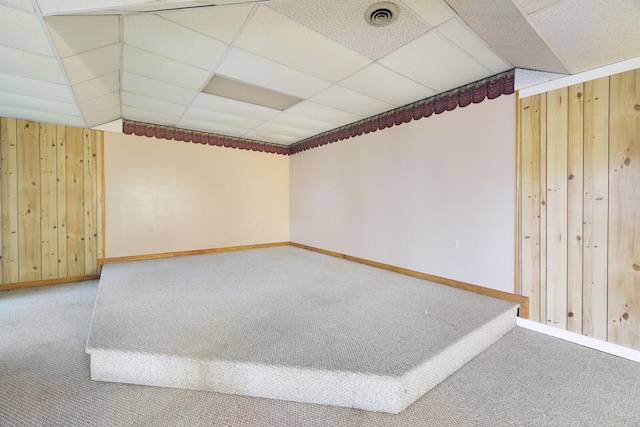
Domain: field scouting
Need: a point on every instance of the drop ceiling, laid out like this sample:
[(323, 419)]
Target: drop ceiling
[(89, 62)]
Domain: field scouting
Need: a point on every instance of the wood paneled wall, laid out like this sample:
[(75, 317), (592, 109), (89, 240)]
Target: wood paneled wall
[(580, 207), (50, 202)]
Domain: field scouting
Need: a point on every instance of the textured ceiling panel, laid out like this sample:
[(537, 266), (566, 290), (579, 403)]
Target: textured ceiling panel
[(97, 87), (100, 103), (138, 114), (299, 47), (30, 65), (45, 105), (166, 70), (35, 88), (344, 22), (49, 7), (40, 116), (468, 41), (104, 116), (222, 23), (485, 7), (22, 30), (231, 106), (271, 137), (76, 34), (294, 121), (213, 127), (531, 6), (526, 78), (536, 59), (221, 118), (505, 31), (250, 68), (19, 4), (386, 85), (284, 130), (576, 30), (353, 102), (155, 88), (323, 113), (163, 37), (152, 104), (422, 59), (92, 64), (433, 12)]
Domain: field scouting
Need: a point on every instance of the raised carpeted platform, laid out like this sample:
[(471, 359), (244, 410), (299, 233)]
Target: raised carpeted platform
[(289, 324)]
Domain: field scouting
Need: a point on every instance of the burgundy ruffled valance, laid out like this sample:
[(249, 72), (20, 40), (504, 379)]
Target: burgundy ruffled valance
[(490, 88), (163, 132)]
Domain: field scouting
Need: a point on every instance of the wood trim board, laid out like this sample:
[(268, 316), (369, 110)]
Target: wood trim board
[(48, 282)]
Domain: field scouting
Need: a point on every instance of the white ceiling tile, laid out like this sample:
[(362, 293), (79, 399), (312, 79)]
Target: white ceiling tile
[(381, 83), (527, 78), (219, 104), (152, 104), (104, 116), (100, 103), (422, 60), (30, 65), (344, 22), (299, 47), (315, 111), (157, 67), (156, 89), (92, 64), (505, 31), (19, 4), (163, 37), (434, 12), (348, 100), (114, 126), (271, 137), (53, 7), (222, 23), (468, 41), (140, 115), (38, 104), (211, 127), (531, 6), (533, 59), (76, 34), (291, 120), (35, 88), (250, 68), (97, 87), (22, 30), (284, 130), (576, 29), (41, 116), (487, 7), (225, 2), (221, 118)]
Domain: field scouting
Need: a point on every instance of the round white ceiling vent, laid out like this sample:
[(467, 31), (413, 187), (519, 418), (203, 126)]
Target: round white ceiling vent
[(381, 14)]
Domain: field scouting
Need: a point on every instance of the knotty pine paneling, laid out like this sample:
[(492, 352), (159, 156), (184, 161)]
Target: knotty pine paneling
[(50, 201), (580, 202)]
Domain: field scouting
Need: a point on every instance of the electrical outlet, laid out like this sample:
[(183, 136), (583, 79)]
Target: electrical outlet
[(149, 229)]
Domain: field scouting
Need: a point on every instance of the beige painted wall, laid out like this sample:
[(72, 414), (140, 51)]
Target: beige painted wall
[(401, 195), (193, 196)]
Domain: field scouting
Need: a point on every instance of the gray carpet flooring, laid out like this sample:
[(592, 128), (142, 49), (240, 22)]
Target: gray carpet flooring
[(524, 379)]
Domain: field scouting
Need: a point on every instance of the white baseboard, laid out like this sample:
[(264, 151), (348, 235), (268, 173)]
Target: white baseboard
[(606, 347)]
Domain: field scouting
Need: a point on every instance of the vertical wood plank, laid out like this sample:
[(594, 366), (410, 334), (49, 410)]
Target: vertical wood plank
[(75, 201), (48, 201), (100, 194), (574, 208), (9, 164), (557, 124), (95, 135), (624, 210), (543, 208), (29, 241), (61, 181), (530, 171), (88, 202), (596, 208)]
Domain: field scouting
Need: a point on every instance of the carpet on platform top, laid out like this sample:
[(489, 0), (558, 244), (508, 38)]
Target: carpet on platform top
[(525, 379)]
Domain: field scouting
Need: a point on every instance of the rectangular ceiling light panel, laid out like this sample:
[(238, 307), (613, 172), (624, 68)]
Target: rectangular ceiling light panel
[(240, 91)]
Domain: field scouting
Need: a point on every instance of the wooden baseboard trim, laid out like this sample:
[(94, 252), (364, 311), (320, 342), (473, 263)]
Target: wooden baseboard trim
[(48, 282), (519, 299), (103, 261)]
